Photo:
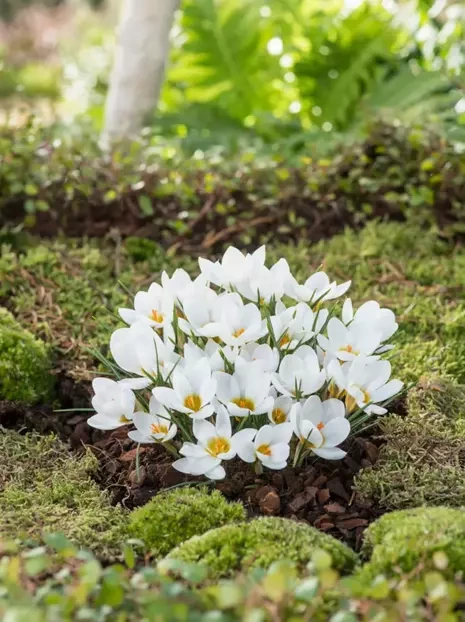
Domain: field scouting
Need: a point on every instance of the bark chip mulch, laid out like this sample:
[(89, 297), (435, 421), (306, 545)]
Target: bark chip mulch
[(320, 493)]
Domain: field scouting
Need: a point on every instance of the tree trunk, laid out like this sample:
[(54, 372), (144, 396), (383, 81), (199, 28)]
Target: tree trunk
[(137, 75)]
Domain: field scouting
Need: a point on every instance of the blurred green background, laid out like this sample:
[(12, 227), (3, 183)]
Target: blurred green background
[(281, 74)]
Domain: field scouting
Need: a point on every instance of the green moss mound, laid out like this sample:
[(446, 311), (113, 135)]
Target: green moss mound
[(175, 516), (257, 544), (45, 489), (421, 462), (25, 363), (416, 539)]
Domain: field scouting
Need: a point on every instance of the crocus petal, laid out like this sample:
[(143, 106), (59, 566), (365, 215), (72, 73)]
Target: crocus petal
[(246, 452), (330, 453), (139, 437), (100, 422), (335, 431), (168, 397)]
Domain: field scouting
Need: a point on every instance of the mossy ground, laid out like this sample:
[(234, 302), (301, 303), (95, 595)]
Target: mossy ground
[(66, 292), (257, 544), (412, 539), (44, 488), (175, 516), (422, 460), (25, 363)]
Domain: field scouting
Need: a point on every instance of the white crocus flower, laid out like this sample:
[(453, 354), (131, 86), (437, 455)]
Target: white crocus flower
[(113, 402), (264, 284), (139, 350), (192, 392), (365, 383), (294, 326), (270, 445), (374, 317), (154, 307), (262, 356), (180, 285), (299, 374), (280, 411), (349, 342), (239, 323), (153, 427), (202, 313), (215, 444), (233, 268), (244, 393), (321, 426), (316, 288)]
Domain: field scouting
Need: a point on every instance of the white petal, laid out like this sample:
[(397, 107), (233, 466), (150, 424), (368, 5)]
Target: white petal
[(139, 437), (246, 452), (335, 432), (330, 453), (100, 422), (167, 397), (217, 473)]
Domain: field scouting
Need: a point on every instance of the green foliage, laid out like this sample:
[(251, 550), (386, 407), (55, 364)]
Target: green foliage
[(340, 66), (258, 544), (25, 363), (175, 516), (421, 462), (397, 173), (58, 582), (423, 538), (44, 489)]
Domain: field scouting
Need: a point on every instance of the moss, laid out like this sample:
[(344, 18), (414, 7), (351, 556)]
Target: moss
[(257, 544), (175, 516), (66, 292), (409, 539), (25, 363), (411, 271), (44, 488), (63, 292), (422, 460)]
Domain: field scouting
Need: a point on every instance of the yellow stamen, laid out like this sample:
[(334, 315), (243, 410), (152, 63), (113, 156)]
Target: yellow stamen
[(348, 348), (193, 402), (285, 339), (320, 426), (159, 428), (264, 449), (278, 415), (244, 402), (218, 445), (351, 403), (238, 332), (124, 419), (156, 316)]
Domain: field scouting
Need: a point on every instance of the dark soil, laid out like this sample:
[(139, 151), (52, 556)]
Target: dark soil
[(319, 493)]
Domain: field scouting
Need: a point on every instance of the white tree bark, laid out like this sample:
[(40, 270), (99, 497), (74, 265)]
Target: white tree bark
[(139, 66)]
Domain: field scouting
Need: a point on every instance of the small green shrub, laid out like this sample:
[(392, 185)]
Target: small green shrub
[(175, 516), (421, 462), (44, 489), (25, 363), (257, 544), (419, 538)]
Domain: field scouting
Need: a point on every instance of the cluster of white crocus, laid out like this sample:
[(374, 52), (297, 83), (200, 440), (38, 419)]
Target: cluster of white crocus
[(245, 361)]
